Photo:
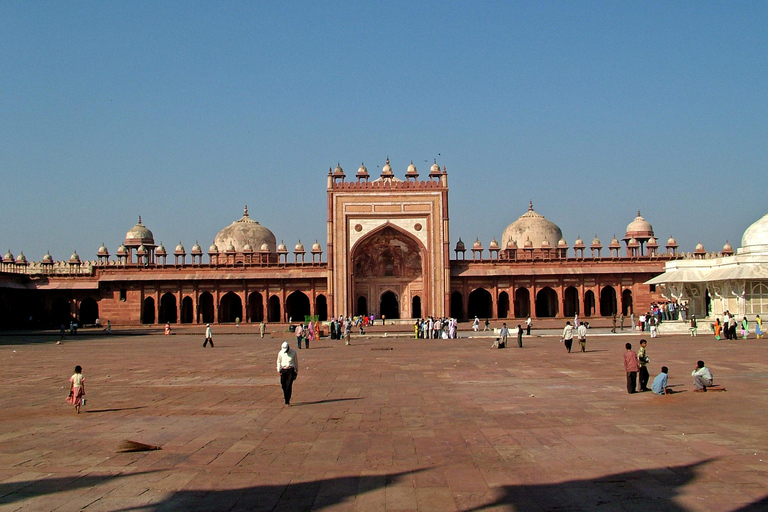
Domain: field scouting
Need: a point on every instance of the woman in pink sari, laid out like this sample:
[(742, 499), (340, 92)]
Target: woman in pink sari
[(76, 389), (310, 333)]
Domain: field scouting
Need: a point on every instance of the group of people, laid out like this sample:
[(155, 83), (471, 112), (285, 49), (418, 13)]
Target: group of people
[(501, 341), (636, 366), (306, 333), (581, 333), (435, 328), (728, 328)]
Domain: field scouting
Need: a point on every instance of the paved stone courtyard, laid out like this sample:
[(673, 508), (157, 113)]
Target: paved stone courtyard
[(387, 424)]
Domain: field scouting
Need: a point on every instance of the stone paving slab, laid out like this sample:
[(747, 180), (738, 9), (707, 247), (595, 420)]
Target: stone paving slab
[(387, 424)]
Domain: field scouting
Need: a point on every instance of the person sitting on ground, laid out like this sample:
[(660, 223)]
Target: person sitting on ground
[(659, 385), (702, 377)]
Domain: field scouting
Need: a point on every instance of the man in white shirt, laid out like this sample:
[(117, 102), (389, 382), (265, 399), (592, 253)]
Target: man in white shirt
[(288, 368), (582, 332), (702, 377)]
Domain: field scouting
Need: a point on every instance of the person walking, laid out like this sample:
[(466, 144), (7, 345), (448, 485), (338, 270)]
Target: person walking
[(744, 328), (208, 336), (476, 324), (758, 327), (348, 331), (581, 331), (631, 367), (487, 325), (288, 368), (621, 321), (643, 360), (528, 326), (298, 331), (519, 336), (568, 336), (613, 324), (262, 329), (694, 328), (76, 389)]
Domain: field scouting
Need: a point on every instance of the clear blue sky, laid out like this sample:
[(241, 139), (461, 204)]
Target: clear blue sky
[(183, 112)]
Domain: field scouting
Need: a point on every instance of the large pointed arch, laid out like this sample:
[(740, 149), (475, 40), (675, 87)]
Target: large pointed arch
[(390, 259)]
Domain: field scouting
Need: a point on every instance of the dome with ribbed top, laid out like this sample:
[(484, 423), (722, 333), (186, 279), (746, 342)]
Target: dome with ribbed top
[(245, 231), (531, 226), (139, 235)]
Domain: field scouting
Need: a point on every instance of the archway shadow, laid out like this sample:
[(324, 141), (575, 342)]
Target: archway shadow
[(11, 492), (298, 496), (652, 489)]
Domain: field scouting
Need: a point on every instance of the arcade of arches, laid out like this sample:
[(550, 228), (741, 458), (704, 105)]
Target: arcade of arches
[(550, 302)]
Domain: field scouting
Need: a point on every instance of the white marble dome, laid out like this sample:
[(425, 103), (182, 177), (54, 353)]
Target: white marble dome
[(755, 238), (245, 231), (531, 226)]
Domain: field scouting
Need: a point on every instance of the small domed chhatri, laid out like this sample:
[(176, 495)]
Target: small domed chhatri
[(8, 258), (138, 235), (196, 249), (531, 226), (245, 231)]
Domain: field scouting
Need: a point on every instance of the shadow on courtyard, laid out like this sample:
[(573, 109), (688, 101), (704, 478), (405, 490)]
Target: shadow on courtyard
[(654, 489), (11, 492)]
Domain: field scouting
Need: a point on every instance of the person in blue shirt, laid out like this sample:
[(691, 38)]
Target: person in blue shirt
[(659, 385)]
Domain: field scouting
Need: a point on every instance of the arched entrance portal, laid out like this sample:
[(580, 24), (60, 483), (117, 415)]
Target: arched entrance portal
[(389, 264), (589, 303), (273, 315), (626, 302), (570, 302), (546, 303), (89, 311), (148, 311), (231, 308), (416, 306), (480, 304), (187, 310), (168, 308), (607, 301), (522, 303), (297, 306), (389, 306), (205, 308), (502, 308), (255, 307), (321, 308)]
